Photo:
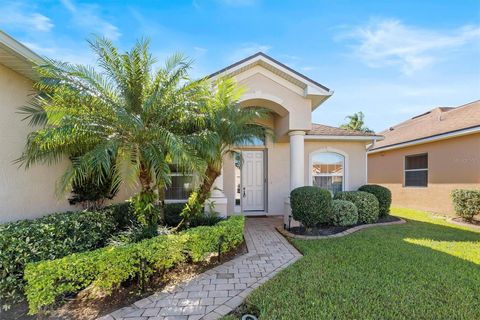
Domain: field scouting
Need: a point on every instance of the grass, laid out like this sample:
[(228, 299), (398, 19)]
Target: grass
[(424, 269)]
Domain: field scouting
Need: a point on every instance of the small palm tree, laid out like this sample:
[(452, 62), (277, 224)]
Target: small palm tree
[(120, 110), (226, 126), (356, 123)]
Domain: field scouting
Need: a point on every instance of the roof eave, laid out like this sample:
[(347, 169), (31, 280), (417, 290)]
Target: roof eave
[(340, 137), (437, 137), (24, 58), (313, 90)]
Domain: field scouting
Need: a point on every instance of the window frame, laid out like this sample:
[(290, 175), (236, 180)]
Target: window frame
[(178, 174), (344, 167), (405, 170)]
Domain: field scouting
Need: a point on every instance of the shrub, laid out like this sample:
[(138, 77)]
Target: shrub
[(172, 213), (366, 203), (466, 203), (311, 205), (383, 195), (105, 269), (51, 237), (204, 240), (344, 213), (204, 219)]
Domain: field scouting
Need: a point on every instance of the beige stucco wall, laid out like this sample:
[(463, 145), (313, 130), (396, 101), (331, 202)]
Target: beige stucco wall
[(26, 194), (278, 170), (452, 163), (23, 194)]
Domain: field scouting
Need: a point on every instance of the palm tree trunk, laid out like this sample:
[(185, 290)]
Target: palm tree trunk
[(204, 191), (197, 199)]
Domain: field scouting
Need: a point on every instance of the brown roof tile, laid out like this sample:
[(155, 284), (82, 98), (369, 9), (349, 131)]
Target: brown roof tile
[(321, 129), (434, 122)]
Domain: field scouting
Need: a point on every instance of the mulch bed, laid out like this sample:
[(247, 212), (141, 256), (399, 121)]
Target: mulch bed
[(331, 230), (82, 307), (473, 223)]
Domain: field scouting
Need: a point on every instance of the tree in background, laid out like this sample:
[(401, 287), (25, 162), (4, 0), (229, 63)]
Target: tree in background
[(356, 122), (119, 110)]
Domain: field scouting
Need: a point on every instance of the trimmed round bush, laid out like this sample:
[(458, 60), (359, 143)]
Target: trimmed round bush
[(311, 205), (344, 213), (466, 203), (366, 203), (383, 195)]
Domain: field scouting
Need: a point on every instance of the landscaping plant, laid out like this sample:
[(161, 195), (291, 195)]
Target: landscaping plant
[(383, 195), (120, 109), (466, 203), (366, 203), (226, 125), (105, 269), (344, 213), (311, 205), (51, 237)]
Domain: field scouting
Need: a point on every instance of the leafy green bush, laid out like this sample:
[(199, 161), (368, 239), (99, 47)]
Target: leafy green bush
[(311, 205), (366, 203), (383, 195), (51, 237), (204, 219), (466, 203), (204, 240), (105, 269), (172, 213), (344, 213)]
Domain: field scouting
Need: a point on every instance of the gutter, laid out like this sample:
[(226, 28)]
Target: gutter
[(345, 138)]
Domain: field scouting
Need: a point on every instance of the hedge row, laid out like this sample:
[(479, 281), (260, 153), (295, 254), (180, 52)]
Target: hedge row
[(51, 237), (107, 268)]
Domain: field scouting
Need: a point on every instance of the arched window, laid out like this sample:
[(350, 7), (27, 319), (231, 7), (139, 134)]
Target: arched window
[(328, 171)]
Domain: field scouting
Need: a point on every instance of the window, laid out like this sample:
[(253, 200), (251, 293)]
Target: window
[(328, 171), (416, 170), (181, 187)]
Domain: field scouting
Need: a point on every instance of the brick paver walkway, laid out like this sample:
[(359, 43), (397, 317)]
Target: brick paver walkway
[(218, 291)]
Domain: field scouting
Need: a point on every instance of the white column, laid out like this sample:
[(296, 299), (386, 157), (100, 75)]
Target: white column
[(297, 159), (217, 201)]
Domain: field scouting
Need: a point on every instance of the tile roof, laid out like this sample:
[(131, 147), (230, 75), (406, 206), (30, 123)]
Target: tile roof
[(324, 130), (437, 121)]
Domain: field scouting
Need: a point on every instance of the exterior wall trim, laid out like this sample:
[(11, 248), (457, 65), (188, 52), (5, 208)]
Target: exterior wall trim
[(442, 136)]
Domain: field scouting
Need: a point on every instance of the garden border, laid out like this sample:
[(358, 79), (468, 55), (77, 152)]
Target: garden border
[(287, 233), (463, 224)]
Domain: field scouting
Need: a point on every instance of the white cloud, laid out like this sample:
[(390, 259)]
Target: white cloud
[(88, 16), (247, 49), (389, 42), (17, 15)]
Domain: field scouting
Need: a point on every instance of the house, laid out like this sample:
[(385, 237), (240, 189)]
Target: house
[(256, 181), (424, 158), (301, 152)]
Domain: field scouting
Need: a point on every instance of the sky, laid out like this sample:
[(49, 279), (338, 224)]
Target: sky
[(389, 59)]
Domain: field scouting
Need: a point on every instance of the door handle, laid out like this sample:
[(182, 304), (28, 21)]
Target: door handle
[(244, 194)]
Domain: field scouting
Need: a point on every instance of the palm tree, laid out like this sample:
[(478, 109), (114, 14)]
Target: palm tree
[(120, 110), (226, 126), (356, 123)]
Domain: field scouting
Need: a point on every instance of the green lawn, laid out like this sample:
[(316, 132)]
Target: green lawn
[(424, 269)]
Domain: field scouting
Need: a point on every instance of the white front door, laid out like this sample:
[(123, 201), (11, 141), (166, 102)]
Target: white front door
[(253, 181)]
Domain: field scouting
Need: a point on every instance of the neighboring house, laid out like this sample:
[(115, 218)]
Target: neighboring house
[(260, 176), (424, 158)]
